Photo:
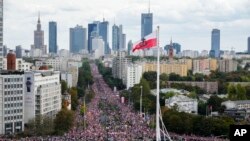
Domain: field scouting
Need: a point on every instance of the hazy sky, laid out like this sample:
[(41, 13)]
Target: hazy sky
[(188, 22)]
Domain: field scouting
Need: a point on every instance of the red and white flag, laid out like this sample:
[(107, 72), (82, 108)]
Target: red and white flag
[(148, 41)]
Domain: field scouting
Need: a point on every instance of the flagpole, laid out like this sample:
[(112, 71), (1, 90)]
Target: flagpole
[(158, 134)]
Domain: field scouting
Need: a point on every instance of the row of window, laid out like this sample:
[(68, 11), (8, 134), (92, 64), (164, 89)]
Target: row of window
[(6, 93), (6, 112), (13, 98), (13, 105), (13, 86), (13, 117), (13, 79)]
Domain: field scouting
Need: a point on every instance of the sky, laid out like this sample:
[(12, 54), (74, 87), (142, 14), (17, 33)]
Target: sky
[(188, 22)]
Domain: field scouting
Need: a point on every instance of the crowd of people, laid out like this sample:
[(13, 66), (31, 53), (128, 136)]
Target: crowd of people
[(107, 118)]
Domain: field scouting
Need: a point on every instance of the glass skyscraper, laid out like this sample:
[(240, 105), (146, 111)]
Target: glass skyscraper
[(176, 47), (52, 37), (215, 43), (78, 39), (146, 24), (104, 33), (92, 27), (115, 37)]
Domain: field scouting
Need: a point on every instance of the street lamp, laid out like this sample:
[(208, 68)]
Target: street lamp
[(141, 102)]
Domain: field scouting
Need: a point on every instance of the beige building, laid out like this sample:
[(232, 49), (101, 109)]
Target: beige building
[(177, 68), (189, 63), (227, 65)]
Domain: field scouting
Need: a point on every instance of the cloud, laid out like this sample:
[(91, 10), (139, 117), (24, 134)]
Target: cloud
[(189, 21)]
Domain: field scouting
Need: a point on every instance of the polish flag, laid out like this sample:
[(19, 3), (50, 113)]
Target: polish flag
[(145, 43)]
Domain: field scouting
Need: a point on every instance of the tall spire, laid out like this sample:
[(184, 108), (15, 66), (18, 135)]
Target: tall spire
[(39, 17), (148, 6)]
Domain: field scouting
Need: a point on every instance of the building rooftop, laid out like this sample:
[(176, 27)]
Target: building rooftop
[(8, 72)]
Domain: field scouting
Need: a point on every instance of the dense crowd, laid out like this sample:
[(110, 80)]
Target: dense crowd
[(109, 119)]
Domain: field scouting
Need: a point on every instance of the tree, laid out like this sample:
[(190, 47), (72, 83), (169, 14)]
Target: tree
[(231, 92), (64, 86), (215, 102), (192, 95), (241, 92), (74, 99), (64, 121), (145, 86)]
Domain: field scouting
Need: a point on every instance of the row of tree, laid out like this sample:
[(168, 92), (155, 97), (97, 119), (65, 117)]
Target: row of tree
[(109, 79), (184, 123)]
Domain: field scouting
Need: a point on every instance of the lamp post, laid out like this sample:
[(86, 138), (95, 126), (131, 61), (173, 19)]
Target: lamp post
[(141, 102)]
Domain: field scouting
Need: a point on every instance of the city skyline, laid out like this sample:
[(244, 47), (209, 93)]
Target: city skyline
[(191, 30)]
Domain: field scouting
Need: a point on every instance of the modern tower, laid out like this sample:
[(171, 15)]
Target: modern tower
[(171, 51), (78, 39), (92, 27), (215, 43), (39, 38), (19, 51), (248, 45), (1, 34), (176, 47), (115, 37), (53, 37), (146, 23), (104, 33), (130, 45)]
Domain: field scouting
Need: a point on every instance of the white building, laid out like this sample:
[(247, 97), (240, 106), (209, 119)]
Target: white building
[(67, 77), (239, 104), (189, 53), (133, 75), (11, 102), (74, 71), (21, 65), (55, 63), (42, 94), (119, 65), (183, 103), (98, 47)]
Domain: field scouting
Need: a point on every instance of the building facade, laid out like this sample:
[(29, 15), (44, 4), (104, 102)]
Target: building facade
[(104, 33), (119, 65), (12, 102), (228, 65), (1, 35), (215, 43), (115, 37), (78, 39), (42, 94), (133, 75), (92, 27), (248, 45), (39, 39), (19, 51), (146, 24), (98, 47), (53, 37), (177, 68)]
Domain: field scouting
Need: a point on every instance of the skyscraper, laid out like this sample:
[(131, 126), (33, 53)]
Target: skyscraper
[(1, 35), (104, 33), (115, 38), (78, 39), (118, 38), (19, 51), (176, 47), (248, 44), (39, 38), (92, 27), (146, 23), (130, 45), (52, 37), (215, 43)]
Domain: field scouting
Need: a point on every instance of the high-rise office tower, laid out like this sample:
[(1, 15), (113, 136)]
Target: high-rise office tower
[(215, 43), (146, 23), (92, 27), (248, 45), (115, 37), (1, 34), (78, 39), (130, 45), (176, 47), (118, 38), (104, 33), (52, 37), (39, 38), (19, 51)]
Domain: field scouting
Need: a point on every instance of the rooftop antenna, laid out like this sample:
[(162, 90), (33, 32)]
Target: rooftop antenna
[(103, 17)]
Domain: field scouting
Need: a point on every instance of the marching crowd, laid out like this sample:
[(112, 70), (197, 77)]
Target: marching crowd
[(109, 119)]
